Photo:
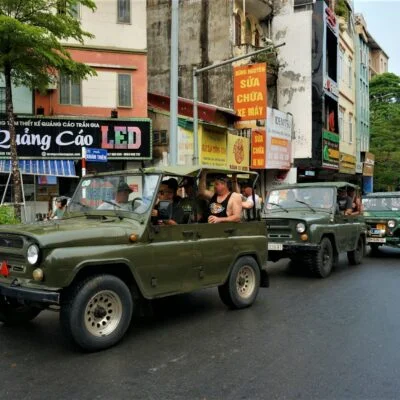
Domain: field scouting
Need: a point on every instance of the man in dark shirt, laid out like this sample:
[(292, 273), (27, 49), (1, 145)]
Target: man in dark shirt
[(168, 191), (345, 202)]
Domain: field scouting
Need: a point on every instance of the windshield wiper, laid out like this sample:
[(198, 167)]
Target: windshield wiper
[(112, 203), (79, 203), (283, 208), (306, 204)]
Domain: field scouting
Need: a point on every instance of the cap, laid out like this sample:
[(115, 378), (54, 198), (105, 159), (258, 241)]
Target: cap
[(124, 187), (247, 184), (222, 178)]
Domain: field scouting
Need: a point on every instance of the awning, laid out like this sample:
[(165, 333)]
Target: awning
[(64, 168)]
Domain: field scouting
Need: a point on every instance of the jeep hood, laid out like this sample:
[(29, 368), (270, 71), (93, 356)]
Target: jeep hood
[(77, 232), (306, 216), (384, 214)]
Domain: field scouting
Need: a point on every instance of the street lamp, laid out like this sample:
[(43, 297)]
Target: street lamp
[(196, 72)]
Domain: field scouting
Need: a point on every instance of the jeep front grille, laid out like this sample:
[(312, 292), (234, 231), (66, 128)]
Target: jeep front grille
[(279, 236), (277, 223)]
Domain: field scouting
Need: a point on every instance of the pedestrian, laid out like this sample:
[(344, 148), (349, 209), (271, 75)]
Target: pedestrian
[(61, 205)]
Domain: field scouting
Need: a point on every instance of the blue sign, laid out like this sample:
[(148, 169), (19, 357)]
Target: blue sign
[(96, 155)]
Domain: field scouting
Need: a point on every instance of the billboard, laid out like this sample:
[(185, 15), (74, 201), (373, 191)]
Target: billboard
[(213, 148), (238, 152), (250, 91), (56, 138)]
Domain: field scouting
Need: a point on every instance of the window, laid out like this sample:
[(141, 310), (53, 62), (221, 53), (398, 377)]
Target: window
[(341, 123), (350, 128), (238, 30), (70, 91), (124, 90), (248, 32), (341, 59), (2, 100), (160, 138), (124, 11), (257, 39), (302, 5), (350, 72), (73, 9)]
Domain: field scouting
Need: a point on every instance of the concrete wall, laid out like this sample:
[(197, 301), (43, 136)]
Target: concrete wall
[(205, 37), (347, 94), (108, 32), (295, 75)]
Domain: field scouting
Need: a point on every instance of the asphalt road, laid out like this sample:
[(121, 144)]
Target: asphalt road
[(304, 338)]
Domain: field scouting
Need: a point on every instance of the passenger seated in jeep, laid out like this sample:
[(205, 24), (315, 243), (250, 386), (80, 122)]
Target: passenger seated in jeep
[(194, 208), (225, 205), (168, 191), (344, 202)]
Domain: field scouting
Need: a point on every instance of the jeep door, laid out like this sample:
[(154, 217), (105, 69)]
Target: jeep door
[(175, 255)]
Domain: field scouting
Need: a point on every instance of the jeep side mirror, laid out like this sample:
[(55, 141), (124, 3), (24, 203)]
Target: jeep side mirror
[(165, 210)]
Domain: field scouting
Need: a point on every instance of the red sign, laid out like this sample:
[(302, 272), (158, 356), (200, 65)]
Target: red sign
[(250, 91), (330, 18), (258, 142)]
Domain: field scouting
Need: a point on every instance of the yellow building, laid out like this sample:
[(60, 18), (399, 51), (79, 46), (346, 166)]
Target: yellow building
[(347, 95)]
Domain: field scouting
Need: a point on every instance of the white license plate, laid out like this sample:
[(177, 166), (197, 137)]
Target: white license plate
[(275, 246), (376, 240)]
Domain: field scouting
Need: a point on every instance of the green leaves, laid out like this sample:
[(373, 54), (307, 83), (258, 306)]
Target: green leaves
[(32, 33), (385, 129)]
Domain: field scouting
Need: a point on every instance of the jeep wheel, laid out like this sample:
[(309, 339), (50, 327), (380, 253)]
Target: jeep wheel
[(15, 314), (241, 288), (355, 256), (374, 250), (97, 312), (321, 263)]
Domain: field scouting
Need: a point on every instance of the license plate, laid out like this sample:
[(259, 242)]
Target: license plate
[(375, 231), (275, 246), (376, 240)]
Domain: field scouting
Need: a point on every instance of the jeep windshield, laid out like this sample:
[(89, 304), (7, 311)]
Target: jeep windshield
[(294, 198), (131, 195), (381, 203)]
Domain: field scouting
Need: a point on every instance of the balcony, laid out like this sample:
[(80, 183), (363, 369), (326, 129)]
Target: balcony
[(261, 8)]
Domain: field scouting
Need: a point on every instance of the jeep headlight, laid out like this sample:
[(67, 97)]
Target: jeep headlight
[(391, 223), (32, 254), (300, 227)]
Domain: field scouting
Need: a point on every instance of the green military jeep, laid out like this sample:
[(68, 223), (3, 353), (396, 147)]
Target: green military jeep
[(107, 257), (305, 224), (382, 215)]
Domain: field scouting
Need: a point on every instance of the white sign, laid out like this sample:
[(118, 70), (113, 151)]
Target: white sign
[(279, 139)]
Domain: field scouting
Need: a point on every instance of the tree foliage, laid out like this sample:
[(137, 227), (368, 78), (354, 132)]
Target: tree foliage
[(385, 129), (32, 53), (31, 37)]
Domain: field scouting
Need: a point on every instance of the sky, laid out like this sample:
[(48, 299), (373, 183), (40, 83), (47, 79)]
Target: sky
[(383, 23)]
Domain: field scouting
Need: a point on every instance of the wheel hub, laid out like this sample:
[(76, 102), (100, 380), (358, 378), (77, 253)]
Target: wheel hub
[(103, 313), (245, 282)]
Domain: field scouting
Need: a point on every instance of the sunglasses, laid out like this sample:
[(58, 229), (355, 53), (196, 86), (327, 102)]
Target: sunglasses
[(162, 192)]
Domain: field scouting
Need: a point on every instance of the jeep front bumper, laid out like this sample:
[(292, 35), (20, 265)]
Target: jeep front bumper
[(30, 295), (277, 251)]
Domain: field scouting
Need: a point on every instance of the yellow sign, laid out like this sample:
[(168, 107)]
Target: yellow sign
[(213, 148), (238, 152), (347, 163)]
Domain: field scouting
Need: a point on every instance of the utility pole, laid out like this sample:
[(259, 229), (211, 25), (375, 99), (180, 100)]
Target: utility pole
[(196, 72), (173, 107)]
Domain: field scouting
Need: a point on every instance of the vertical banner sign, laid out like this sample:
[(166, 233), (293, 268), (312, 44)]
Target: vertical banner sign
[(250, 91), (330, 150), (238, 152), (258, 142), (185, 146)]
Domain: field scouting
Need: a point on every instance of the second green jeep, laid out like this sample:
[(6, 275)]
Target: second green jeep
[(304, 223), (382, 215)]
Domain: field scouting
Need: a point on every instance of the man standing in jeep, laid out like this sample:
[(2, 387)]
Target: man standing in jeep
[(225, 206)]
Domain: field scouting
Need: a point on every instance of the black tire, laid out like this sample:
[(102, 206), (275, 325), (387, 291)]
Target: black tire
[(16, 314), (374, 250), (355, 256), (321, 263), (241, 288), (96, 312)]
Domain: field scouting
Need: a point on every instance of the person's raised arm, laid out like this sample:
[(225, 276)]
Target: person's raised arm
[(203, 192)]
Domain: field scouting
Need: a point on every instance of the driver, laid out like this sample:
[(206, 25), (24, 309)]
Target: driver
[(121, 201)]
